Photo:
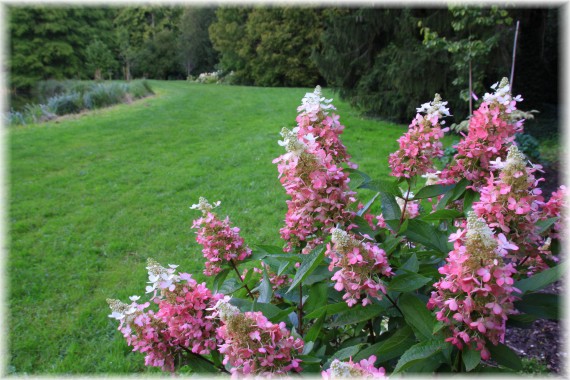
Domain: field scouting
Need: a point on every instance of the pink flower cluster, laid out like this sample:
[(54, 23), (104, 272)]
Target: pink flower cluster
[(253, 345), (364, 368), (222, 243), (421, 144), (475, 296), (312, 175), (555, 208), (180, 324), (511, 203), (360, 264), (490, 133)]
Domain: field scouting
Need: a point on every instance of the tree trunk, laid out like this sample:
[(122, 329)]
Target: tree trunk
[(98, 74)]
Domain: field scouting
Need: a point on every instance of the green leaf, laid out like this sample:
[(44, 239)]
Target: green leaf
[(427, 235), (200, 366), (315, 329), (390, 348), (540, 280), (219, 279), (417, 353), (330, 309), (432, 191), (320, 273), (391, 243), (407, 282), (544, 225), (505, 356), (345, 353), (468, 200), (363, 210), (363, 226), (282, 267), (442, 214), (357, 314), (540, 305), (269, 310), (412, 265), (471, 359), (357, 178), (455, 194), (383, 186), (390, 208), (523, 321), (230, 285), (417, 316), (309, 263), (317, 297), (265, 289)]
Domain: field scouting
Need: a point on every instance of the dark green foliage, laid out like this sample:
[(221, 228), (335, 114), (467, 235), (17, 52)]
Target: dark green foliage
[(100, 59), (268, 46), (157, 58), (66, 103), (377, 60), (196, 53), (529, 146), (51, 42)]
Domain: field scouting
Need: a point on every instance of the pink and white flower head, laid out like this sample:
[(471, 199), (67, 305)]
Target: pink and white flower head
[(160, 278), (360, 266), (475, 295), (491, 131), (254, 346), (421, 144), (312, 174), (222, 243), (363, 369), (502, 96), (510, 203), (314, 102), (181, 322)]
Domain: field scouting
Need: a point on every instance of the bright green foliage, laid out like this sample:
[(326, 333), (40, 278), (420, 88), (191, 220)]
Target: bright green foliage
[(51, 42), (196, 52), (92, 197), (268, 46), (100, 59)]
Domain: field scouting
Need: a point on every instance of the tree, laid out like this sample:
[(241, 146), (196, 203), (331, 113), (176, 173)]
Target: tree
[(376, 59), (51, 42), (268, 46), (100, 59), (196, 52)]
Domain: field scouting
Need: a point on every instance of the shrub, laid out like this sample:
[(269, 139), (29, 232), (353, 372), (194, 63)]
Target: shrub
[(350, 293), (65, 103)]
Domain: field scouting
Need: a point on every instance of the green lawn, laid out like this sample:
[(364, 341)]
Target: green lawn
[(91, 197)]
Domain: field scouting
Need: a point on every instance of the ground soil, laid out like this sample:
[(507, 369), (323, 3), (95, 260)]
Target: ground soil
[(544, 340)]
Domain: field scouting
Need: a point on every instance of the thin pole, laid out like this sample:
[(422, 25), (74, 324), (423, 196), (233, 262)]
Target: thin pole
[(514, 55)]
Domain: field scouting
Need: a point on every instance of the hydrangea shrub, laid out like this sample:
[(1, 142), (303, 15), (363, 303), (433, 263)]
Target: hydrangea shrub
[(429, 284)]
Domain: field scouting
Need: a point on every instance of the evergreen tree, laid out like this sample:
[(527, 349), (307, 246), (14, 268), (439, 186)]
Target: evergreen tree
[(196, 53)]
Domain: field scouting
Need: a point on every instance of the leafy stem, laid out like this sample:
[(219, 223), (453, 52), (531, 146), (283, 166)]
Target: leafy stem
[(241, 279), (222, 369)]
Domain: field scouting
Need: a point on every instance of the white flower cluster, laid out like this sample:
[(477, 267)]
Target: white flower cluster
[(313, 102), (121, 310), (204, 206), (341, 238), (343, 369), (477, 229), (160, 277), (224, 309), (435, 106), (432, 178), (502, 95), (213, 77)]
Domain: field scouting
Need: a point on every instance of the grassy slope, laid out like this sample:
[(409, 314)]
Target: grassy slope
[(93, 196)]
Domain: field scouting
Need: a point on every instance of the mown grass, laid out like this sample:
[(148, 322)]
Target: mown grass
[(91, 197)]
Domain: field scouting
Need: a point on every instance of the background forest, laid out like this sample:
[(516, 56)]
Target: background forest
[(384, 61)]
